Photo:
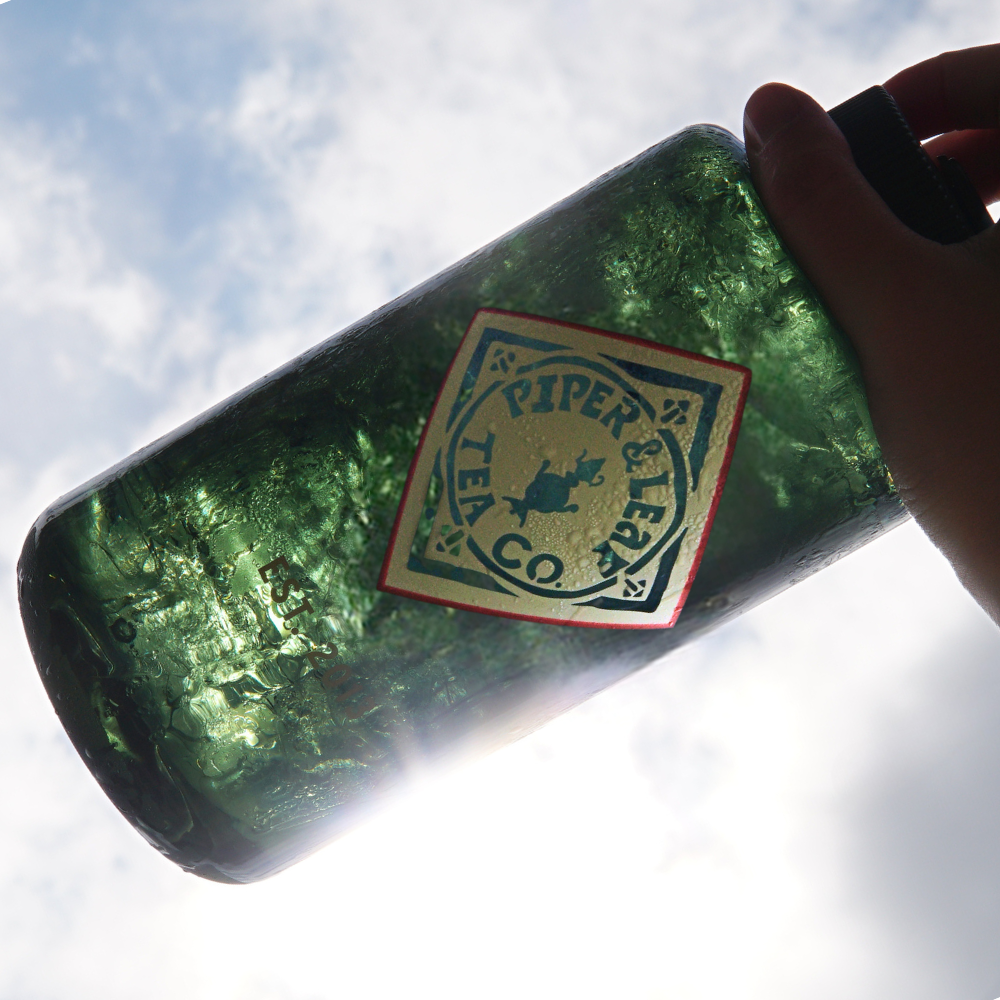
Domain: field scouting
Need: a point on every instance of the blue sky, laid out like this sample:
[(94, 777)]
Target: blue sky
[(191, 193)]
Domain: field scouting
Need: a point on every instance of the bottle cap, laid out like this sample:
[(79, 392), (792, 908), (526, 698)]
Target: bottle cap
[(936, 200)]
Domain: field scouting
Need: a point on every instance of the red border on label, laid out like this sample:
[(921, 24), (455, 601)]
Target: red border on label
[(723, 473)]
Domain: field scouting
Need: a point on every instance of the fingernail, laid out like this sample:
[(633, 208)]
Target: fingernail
[(771, 109)]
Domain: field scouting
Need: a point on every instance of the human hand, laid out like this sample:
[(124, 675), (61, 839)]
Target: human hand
[(924, 318)]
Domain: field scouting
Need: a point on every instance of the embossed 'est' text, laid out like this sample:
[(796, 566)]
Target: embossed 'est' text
[(332, 674)]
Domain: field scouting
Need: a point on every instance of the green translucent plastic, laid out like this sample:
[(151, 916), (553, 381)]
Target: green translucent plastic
[(198, 710)]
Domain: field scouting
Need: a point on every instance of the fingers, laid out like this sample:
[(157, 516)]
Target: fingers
[(978, 151), (955, 90), (923, 317), (860, 256)]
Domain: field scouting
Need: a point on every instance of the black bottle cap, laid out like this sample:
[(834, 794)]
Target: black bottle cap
[(935, 200)]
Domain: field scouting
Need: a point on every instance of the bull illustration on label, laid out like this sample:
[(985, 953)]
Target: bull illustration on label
[(549, 493)]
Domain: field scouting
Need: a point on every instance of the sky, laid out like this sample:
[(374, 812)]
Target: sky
[(805, 803)]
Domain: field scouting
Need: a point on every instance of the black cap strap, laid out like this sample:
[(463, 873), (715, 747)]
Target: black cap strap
[(936, 201)]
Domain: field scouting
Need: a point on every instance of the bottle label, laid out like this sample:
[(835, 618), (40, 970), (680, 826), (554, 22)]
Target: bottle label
[(566, 475)]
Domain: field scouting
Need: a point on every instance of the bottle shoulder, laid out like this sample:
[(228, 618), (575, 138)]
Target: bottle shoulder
[(708, 140), (703, 154)]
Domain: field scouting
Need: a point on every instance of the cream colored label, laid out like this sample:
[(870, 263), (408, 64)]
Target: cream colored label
[(566, 475)]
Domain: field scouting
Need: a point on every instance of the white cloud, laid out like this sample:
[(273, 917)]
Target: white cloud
[(755, 817)]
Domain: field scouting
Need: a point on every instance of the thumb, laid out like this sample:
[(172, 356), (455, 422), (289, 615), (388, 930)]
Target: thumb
[(861, 258)]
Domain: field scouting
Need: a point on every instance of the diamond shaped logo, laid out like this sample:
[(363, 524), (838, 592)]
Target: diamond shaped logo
[(566, 475)]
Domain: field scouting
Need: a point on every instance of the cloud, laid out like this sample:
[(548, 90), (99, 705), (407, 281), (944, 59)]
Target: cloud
[(925, 821), (190, 193)]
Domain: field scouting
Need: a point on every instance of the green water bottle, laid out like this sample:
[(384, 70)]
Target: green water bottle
[(607, 432)]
